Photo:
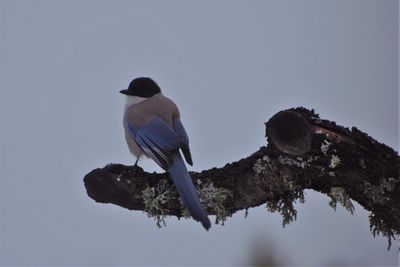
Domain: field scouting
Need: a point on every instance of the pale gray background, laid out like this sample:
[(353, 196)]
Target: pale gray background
[(229, 65)]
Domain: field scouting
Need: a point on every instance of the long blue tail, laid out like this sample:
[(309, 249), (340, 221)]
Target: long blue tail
[(186, 189)]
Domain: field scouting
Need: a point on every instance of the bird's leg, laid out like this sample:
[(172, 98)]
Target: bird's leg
[(129, 181), (135, 167)]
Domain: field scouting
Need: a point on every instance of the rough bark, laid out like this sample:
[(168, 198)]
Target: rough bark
[(303, 152)]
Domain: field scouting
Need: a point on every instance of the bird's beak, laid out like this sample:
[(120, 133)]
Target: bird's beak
[(125, 92)]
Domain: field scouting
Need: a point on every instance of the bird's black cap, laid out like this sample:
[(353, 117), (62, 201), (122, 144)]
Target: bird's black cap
[(142, 87)]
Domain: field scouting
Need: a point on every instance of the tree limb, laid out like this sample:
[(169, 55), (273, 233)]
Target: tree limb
[(303, 152)]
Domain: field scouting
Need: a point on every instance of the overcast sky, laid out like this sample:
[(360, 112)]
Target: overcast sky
[(229, 65)]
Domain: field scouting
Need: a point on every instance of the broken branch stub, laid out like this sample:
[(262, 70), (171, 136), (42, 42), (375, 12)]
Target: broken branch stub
[(290, 132)]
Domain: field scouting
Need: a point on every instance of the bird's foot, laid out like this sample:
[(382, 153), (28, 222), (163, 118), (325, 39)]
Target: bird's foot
[(135, 167)]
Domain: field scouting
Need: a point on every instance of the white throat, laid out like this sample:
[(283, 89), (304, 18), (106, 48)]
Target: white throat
[(133, 100)]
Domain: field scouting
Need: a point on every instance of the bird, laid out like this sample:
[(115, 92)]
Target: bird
[(153, 129)]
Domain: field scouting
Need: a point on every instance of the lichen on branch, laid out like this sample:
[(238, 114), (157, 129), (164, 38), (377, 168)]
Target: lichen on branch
[(303, 152)]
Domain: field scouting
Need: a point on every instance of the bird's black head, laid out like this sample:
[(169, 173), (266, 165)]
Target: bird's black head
[(142, 87)]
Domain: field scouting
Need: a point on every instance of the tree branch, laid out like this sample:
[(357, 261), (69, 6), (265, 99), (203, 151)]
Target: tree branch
[(303, 152)]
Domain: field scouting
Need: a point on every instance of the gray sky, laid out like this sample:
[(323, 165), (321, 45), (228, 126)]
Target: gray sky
[(230, 65)]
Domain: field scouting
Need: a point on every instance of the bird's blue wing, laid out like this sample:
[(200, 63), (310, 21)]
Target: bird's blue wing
[(157, 139), (161, 142), (181, 132)]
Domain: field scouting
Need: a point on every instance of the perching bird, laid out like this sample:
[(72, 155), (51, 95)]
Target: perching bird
[(153, 128)]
